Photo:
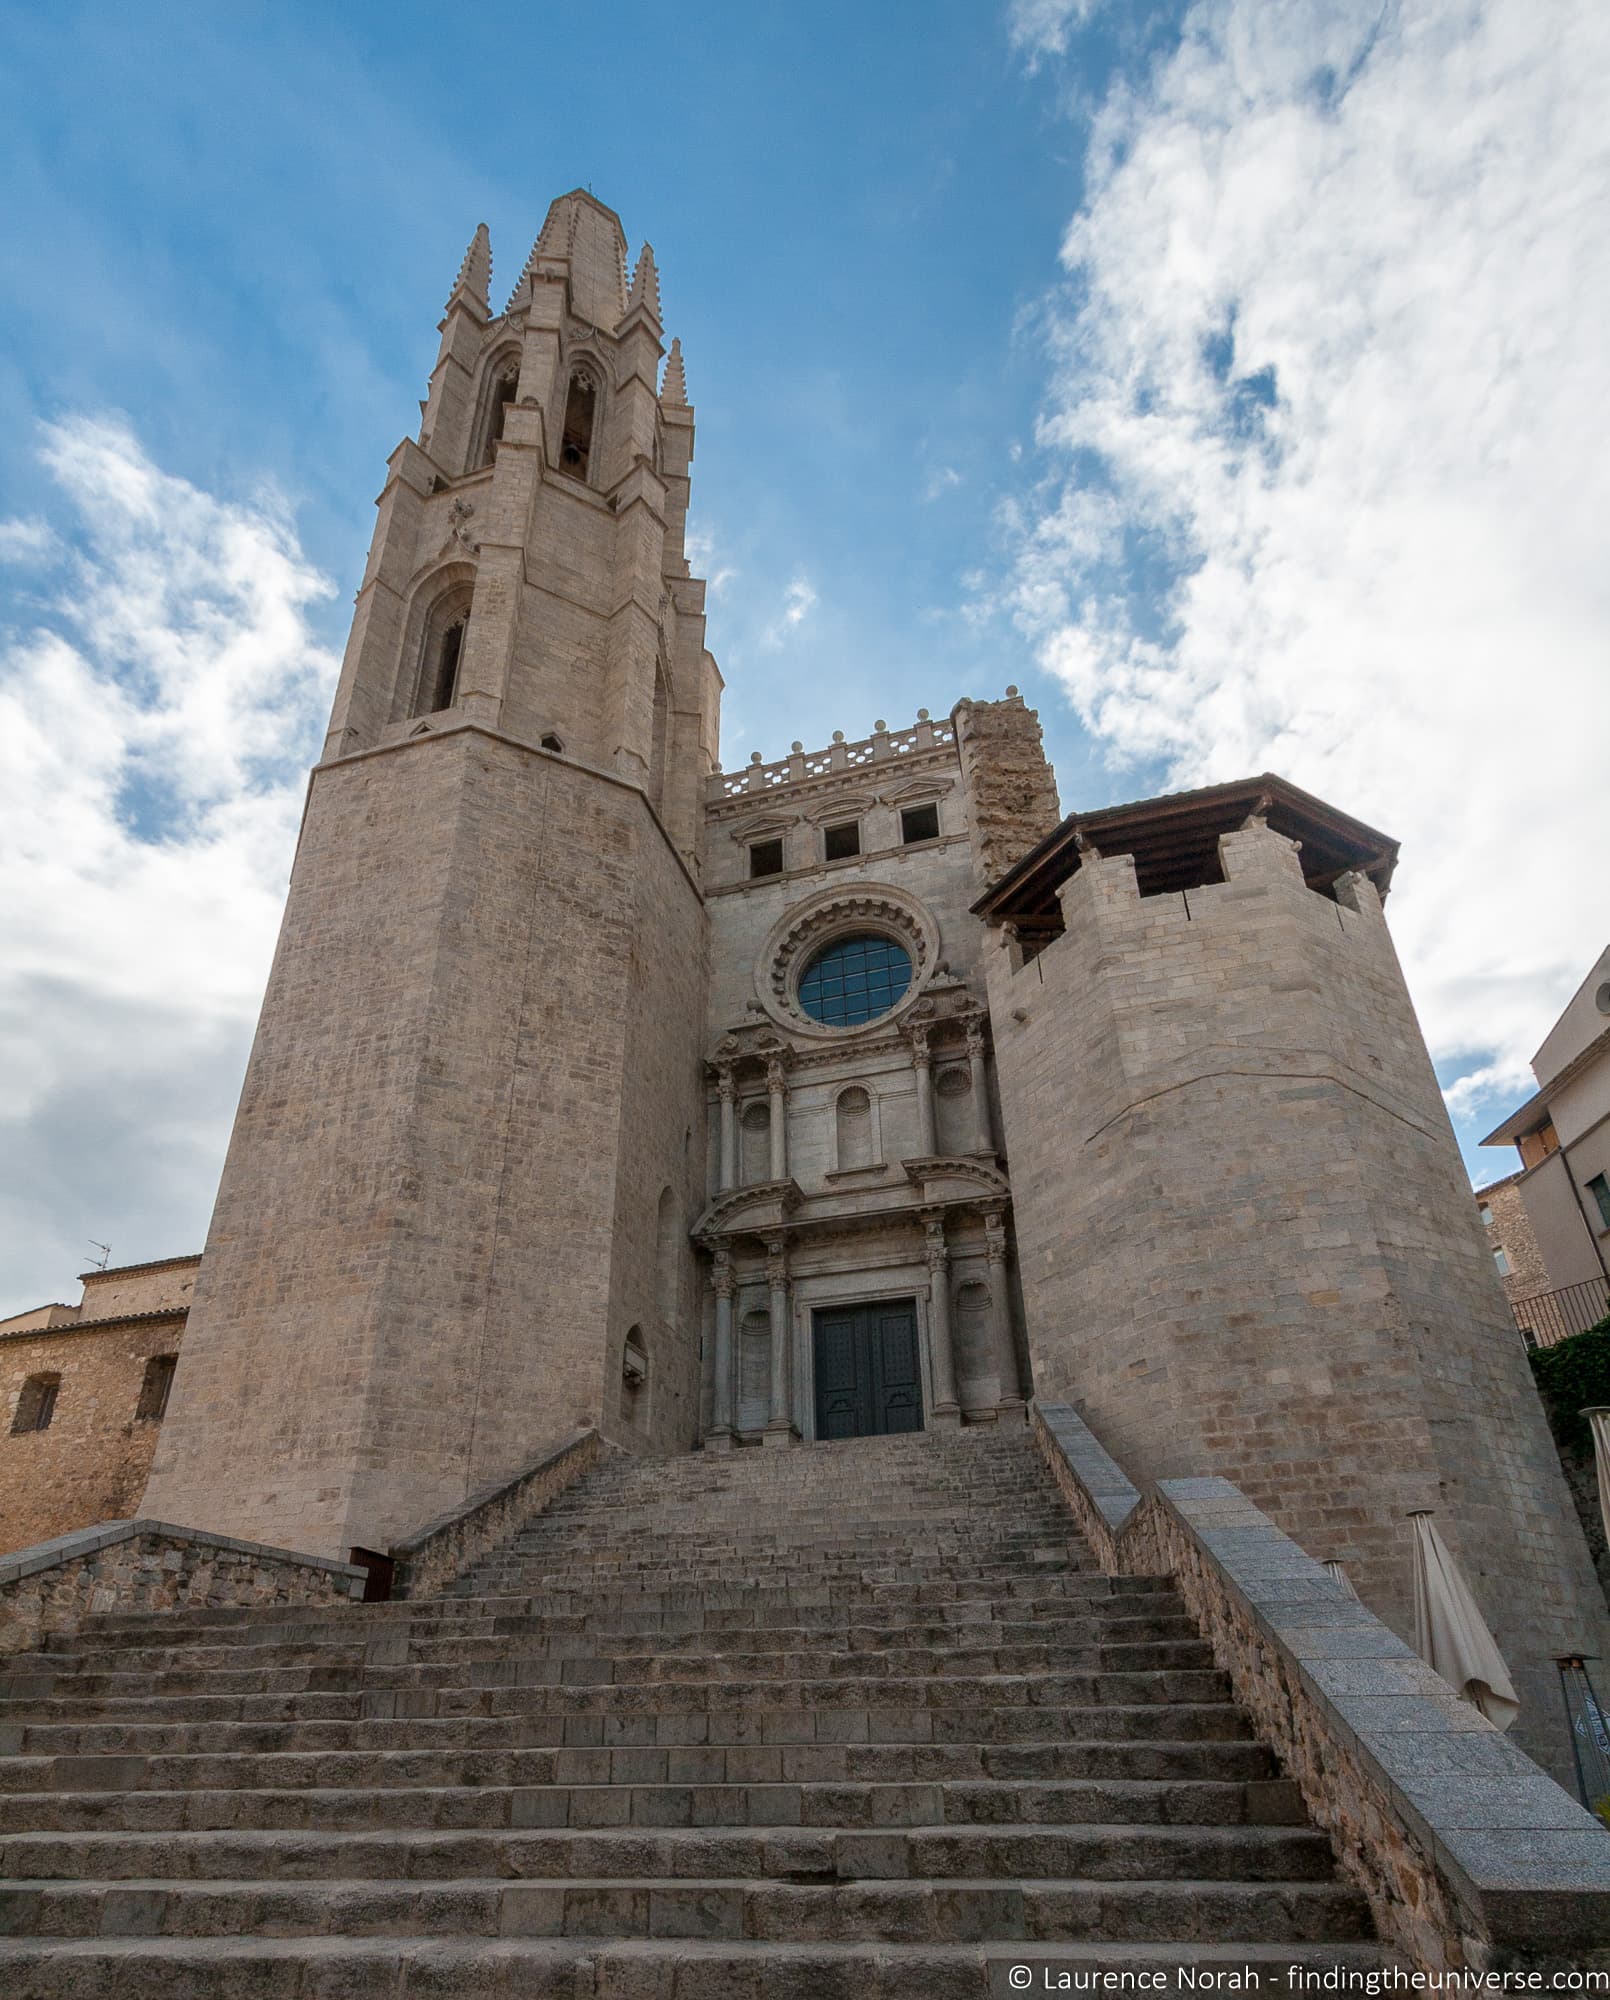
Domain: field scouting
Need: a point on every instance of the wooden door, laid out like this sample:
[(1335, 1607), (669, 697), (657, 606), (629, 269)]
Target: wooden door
[(868, 1381)]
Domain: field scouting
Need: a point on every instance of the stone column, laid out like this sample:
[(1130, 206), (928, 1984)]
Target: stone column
[(925, 1093), (720, 1438), (945, 1414), (984, 1142), (777, 1092), (1009, 1394), (780, 1424), (727, 1173)]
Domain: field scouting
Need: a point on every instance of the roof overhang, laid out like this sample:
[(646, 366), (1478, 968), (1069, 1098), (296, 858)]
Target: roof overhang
[(1175, 843)]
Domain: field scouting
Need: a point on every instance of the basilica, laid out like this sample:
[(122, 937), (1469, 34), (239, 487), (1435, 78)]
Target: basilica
[(868, 1094)]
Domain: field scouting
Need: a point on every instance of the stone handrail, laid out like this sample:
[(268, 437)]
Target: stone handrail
[(445, 1548), (138, 1566), (1471, 1857)]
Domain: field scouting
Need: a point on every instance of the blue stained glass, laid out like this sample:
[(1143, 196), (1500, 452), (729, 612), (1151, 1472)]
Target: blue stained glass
[(854, 980)]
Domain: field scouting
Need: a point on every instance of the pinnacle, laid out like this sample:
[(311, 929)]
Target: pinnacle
[(645, 290), (675, 387), (475, 273), (536, 250)]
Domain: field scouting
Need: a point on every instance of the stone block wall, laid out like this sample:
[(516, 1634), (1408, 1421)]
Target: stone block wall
[(1247, 1246), (1510, 1230), (424, 1235), (134, 1567), (91, 1463)]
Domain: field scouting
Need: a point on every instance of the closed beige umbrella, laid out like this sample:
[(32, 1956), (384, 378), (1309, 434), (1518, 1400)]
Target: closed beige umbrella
[(1598, 1416), (1451, 1635), (1337, 1572)]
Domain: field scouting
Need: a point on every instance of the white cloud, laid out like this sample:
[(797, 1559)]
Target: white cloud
[(799, 600), (942, 480), (704, 561), (1043, 27), (1334, 334), (154, 734), (26, 539)]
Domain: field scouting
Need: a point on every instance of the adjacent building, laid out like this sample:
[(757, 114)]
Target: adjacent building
[(83, 1392), (1549, 1223)]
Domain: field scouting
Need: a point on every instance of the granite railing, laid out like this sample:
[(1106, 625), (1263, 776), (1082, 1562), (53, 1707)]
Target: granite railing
[(1471, 1857), (138, 1566), (441, 1551)]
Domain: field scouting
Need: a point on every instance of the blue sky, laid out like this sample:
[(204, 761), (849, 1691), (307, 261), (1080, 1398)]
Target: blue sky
[(1219, 373)]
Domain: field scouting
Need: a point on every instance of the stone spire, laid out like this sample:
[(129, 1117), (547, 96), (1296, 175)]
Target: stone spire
[(645, 288), (474, 279), (548, 244), (674, 390)]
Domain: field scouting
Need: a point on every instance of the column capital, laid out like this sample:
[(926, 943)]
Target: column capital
[(726, 1081), (721, 1274), (917, 1033), (776, 1071), (777, 1263), (995, 1232), (935, 1249), (976, 1042)]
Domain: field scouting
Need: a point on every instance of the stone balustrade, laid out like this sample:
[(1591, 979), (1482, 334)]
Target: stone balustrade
[(428, 1561), (1472, 1858), (884, 745), (119, 1567)]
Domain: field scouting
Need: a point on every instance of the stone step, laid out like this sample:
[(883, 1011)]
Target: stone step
[(517, 1968), (1226, 1763), (1039, 1594), (509, 1667), (1219, 1721), (1094, 1688), (779, 1845), (573, 1638), (912, 1910), (693, 1800)]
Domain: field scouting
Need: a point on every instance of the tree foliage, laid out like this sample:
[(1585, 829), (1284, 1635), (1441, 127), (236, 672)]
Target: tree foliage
[(1572, 1376)]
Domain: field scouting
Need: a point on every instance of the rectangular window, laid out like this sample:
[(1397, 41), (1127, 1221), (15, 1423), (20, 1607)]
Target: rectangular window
[(1599, 1188), (1486, 1216), (919, 823), (765, 858), (37, 1403), (153, 1403), (841, 841), (1502, 1261)]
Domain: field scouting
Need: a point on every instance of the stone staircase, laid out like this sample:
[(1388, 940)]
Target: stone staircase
[(853, 1718)]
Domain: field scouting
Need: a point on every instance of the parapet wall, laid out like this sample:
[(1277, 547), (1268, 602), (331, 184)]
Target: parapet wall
[(1248, 1249)]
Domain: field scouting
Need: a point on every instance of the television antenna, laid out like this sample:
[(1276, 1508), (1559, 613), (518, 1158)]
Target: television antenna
[(106, 1254)]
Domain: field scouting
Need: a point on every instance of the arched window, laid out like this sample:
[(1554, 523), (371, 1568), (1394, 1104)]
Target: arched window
[(667, 1258), (503, 385), (853, 1119), (953, 1103), (581, 412), (974, 1360), (754, 1371), (634, 1378), (754, 1134), (37, 1404), (442, 651)]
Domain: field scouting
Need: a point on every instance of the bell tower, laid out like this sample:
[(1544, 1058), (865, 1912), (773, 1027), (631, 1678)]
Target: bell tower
[(452, 1223)]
